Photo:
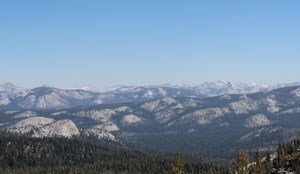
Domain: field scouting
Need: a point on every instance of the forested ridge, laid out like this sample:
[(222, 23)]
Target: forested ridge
[(23, 154)]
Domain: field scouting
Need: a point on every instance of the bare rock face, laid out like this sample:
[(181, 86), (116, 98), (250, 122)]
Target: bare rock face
[(102, 115), (45, 127), (30, 125), (5, 101), (26, 114), (8, 90), (159, 104), (248, 117), (257, 120), (244, 106), (103, 131), (61, 128), (296, 92), (131, 119), (204, 116), (46, 97)]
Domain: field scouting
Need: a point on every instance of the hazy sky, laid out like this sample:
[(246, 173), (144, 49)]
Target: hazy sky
[(106, 42)]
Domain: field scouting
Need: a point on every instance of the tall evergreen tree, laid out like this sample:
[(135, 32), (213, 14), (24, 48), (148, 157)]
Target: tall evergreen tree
[(280, 155), (177, 167), (242, 162), (259, 166), (268, 164)]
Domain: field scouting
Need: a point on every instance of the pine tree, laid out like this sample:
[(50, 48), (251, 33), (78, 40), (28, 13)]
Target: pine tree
[(268, 164), (177, 167), (281, 155), (259, 166), (242, 162)]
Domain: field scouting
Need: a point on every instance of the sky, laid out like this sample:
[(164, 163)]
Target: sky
[(102, 43)]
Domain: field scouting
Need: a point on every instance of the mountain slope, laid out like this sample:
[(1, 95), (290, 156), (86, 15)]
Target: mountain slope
[(13, 97), (175, 124), (26, 155)]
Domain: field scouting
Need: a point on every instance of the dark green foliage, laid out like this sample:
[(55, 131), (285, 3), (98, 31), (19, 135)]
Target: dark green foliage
[(260, 166), (242, 162), (287, 160), (289, 155), (21, 154), (177, 167)]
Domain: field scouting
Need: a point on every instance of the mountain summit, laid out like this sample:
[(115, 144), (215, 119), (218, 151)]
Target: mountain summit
[(45, 97)]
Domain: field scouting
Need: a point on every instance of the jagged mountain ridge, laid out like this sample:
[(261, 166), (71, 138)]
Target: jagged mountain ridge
[(259, 118), (45, 97)]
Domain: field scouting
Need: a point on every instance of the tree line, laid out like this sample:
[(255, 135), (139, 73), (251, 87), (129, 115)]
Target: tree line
[(20, 154), (23, 154), (286, 159)]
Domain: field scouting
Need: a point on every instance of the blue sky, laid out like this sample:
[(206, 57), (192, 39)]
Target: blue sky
[(103, 43)]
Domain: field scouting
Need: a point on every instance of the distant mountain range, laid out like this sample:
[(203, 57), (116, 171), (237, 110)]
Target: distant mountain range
[(45, 97), (211, 125)]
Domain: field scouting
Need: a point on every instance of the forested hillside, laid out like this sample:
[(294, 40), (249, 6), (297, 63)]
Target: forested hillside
[(22, 154)]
